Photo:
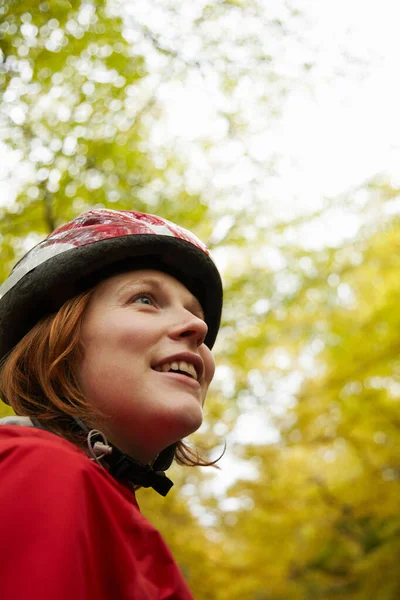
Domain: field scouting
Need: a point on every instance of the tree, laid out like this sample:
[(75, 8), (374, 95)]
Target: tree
[(321, 518)]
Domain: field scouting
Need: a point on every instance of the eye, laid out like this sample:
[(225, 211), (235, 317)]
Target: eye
[(144, 299)]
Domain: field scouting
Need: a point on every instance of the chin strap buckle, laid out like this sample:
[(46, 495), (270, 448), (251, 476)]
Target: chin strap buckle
[(125, 468)]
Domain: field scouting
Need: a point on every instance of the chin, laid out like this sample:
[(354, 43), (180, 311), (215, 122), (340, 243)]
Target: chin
[(186, 422)]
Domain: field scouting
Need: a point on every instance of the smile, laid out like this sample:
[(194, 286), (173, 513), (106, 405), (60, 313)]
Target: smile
[(179, 367)]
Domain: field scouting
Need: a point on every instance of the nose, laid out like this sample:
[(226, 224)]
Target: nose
[(190, 326)]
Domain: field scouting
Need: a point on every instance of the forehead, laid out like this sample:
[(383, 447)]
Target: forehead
[(147, 277)]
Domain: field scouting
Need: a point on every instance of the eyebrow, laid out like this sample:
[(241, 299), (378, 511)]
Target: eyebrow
[(152, 281)]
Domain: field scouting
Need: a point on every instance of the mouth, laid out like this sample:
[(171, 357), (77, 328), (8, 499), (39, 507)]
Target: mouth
[(188, 365)]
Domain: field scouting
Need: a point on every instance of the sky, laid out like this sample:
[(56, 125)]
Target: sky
[(338, 130)]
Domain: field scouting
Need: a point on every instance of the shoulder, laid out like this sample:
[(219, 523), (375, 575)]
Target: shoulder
[(40, 463), (30, 455), (55, 473), (31, 445), (67, 511)]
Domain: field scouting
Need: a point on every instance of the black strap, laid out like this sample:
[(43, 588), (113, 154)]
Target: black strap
[(125, 468)]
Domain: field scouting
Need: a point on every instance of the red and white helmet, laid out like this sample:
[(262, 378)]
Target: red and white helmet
[(94, 246)]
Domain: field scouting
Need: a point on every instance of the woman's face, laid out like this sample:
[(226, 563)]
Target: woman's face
[(144, 364)]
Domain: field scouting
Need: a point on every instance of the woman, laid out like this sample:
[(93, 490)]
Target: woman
[(106, 330)]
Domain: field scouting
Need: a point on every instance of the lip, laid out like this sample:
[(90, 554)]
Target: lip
[(189, 357), (189, 381)]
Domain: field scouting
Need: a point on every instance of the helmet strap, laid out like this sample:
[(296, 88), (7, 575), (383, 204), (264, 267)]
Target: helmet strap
[(121, 466), (124, 468)]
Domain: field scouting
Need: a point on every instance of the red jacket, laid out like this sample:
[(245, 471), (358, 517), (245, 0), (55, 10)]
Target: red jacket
[(69, 531)]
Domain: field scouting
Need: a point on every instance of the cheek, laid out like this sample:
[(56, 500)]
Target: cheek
[(110, 336), (115, 351), (209, 365)]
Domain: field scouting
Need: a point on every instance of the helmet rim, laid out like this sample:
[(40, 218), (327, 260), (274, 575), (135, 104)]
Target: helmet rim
[(44, 289)]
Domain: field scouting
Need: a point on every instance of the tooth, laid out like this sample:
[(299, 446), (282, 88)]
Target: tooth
[(181, 365), (188, 368)]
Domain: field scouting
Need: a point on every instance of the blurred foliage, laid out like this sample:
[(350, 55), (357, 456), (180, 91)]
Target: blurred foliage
[(78, 86), (309, 337), (321, 518)]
